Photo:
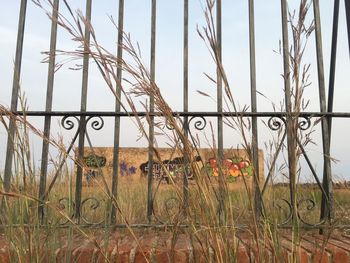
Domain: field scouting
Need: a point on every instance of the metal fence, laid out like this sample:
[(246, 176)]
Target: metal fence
[(277, 120)]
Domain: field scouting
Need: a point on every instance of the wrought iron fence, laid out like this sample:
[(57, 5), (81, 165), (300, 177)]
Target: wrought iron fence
[(277, 121)]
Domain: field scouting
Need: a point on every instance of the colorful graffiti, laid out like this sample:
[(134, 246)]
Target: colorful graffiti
[(231, 168), (126, 170), (94, 161), (173, 167)]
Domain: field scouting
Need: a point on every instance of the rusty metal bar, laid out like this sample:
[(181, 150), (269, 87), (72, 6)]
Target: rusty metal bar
[(48, 108), (83, 106), (117, 109), (255, 150), (151, 121), (327, 200), (15, 93)]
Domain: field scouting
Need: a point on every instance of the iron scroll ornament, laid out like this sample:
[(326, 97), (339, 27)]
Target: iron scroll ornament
[(171, 213), (285, 207), (89, 205), (304, 123), (68, 122), (97, 122), (276, 123), (66, 208), (168, 125), (199, 123), (279, 204), (310, 207)]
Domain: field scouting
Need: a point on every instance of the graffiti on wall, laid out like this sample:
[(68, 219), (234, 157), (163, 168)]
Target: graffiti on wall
[(93, 162), (126, 169), (174, 168), (232, 168)]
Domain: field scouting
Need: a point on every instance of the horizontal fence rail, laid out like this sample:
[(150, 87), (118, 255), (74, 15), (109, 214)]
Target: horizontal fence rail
[(179, 114)]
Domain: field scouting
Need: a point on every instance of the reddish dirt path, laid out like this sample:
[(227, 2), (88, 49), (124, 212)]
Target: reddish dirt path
[(156, 248)]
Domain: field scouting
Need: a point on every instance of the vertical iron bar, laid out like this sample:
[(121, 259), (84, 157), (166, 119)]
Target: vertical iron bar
[(291, 128), (219, 108), (326, 211), (151, 123), (332, 82), (333, 63), (255, 151), (117, 109), (48, 108), (15, 93), (347, 10), (185, 98), (83, 106)]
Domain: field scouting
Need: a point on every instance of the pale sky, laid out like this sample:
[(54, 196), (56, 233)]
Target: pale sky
[(169, 65)]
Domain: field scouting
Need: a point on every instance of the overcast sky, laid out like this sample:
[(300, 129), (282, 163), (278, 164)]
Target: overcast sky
[(169, 65)]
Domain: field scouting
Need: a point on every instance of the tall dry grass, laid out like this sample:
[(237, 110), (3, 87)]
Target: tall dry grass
[(201, 215)]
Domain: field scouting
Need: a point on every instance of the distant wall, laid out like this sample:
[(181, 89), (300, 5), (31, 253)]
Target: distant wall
[(133, 163)]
